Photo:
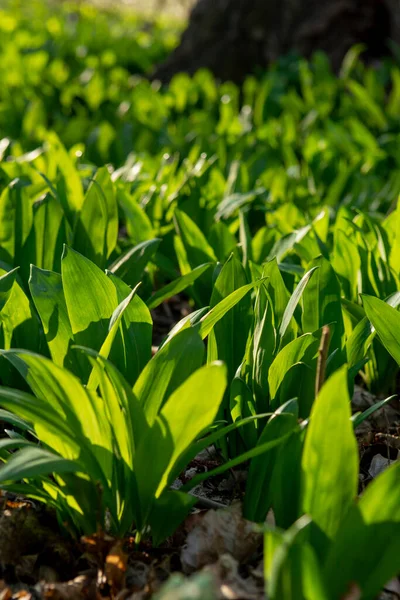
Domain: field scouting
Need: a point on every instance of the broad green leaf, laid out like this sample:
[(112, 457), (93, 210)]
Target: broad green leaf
[(359, 341), (304, 348), (138, 224), (219, 310), (381, 500), (130, 266), (386, 321), (113, 327), (132, 348), (222, 241), (346, 263), (167, 370), (286, 481), (48, 296), (96, 229), (90, 296), (258, 497), (278, 292), (291, 566), (12, 443), (26, 408), (375, 524), (62, 392), (330, 457), (15, 421), (372, 110), (50, 232), (293, 302), (227, 341), (6, 284), (191, 408), (168, 513), (321, 302), (35, 462), (241, 406), (263, 350), (190, 320), (176, 286), (197, 248), (19, 321), (72, 197), (126, 398), (16, 219)]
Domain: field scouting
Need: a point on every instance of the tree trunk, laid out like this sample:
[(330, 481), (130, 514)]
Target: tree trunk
[(233, 37)]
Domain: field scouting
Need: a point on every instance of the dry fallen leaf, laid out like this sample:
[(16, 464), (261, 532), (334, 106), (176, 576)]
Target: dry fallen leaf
[(378, 464), (218, 532), (231, 584), (80, 588)]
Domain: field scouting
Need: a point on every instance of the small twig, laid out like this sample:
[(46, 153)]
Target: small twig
[(207, 503), (322, 358)]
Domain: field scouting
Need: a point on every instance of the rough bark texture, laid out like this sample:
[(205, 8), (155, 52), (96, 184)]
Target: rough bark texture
[(233, 37)]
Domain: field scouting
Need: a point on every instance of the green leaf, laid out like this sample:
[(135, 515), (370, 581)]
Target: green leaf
[(374, 524), (35, 462), (330, 457), (72, 197), (115, 321), (6, 284), (286, 481), (322, 303), (168, 513), (227, 341), (264, 343), (258, 497), (191, 320), (167, 370), (190, 409), (346, 263), (130, 266), (279, 294), (16, 219), (294, 300), (258, 450), (48, 296), (19, 321), (381, 500), (90, 296), (219, 310), (176, 286), (291, 567), (360, 418), (50, 231), (365, 100), (132, 348), (96, 230), (304, 348), (197, 248), (64, 398), (386, 321), (15, 421)]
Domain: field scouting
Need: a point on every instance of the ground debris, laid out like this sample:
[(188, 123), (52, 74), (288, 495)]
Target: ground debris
[(218, 532)]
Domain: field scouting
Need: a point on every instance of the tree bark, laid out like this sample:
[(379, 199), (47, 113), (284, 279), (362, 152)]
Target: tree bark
[(233, 37)]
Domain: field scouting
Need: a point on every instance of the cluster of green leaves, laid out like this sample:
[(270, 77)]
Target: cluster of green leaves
[(72, 68), (274, 212), (338, 542)]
